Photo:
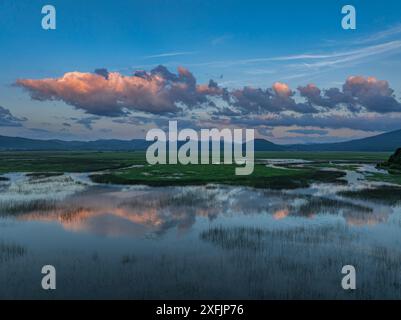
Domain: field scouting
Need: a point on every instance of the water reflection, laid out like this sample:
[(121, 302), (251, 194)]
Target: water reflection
[(116, 212), (191, 242)]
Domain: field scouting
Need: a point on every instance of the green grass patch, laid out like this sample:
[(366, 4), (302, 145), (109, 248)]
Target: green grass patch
[(382, 177), (362, 157), (45, 162), (62, 161), (173, 175)]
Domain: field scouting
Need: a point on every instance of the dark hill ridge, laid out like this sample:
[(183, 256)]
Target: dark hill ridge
[(394, 162), (389, 141), (396, 158), (14, 143)]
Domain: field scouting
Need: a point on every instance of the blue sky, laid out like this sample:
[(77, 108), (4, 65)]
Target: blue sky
[(236, 43)]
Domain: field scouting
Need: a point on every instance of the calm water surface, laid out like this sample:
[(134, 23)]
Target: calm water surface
[(194, 242)]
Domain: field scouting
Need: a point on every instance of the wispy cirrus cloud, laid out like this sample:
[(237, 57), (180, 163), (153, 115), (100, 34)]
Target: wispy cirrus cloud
[(87, 122), (309, 131), (322, 59), (349, 55), (319, 60), (170, 54), (391, 32), (357, 56), (222, 39)]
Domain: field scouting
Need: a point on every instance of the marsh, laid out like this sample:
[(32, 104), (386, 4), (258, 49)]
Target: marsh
[(208, 241)]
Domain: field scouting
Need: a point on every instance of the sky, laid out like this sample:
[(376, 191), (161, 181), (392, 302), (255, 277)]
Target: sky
[(115, 69)]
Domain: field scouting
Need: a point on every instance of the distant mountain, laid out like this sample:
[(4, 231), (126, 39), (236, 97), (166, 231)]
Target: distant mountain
[(13, 143), (389, 141), (264, 145), (21, 144)]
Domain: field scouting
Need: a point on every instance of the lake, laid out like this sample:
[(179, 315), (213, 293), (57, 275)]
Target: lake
[(206, 242)]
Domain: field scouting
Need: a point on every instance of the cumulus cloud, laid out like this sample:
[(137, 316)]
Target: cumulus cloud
[(282, 90), (374, 95), (102, 72), (362, 103), (158, 91), (357, 94), (313, 95), (112, 94), (275, 99), (7, 119)]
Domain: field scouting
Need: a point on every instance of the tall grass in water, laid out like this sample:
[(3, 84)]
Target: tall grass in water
[(255, 238), (36, 192), (9, 251), (332, 206), (383, 194), (15, 207)]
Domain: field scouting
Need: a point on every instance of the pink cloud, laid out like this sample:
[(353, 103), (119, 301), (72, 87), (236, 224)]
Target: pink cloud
[(282, 89), (162, 92), (155, 92)]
